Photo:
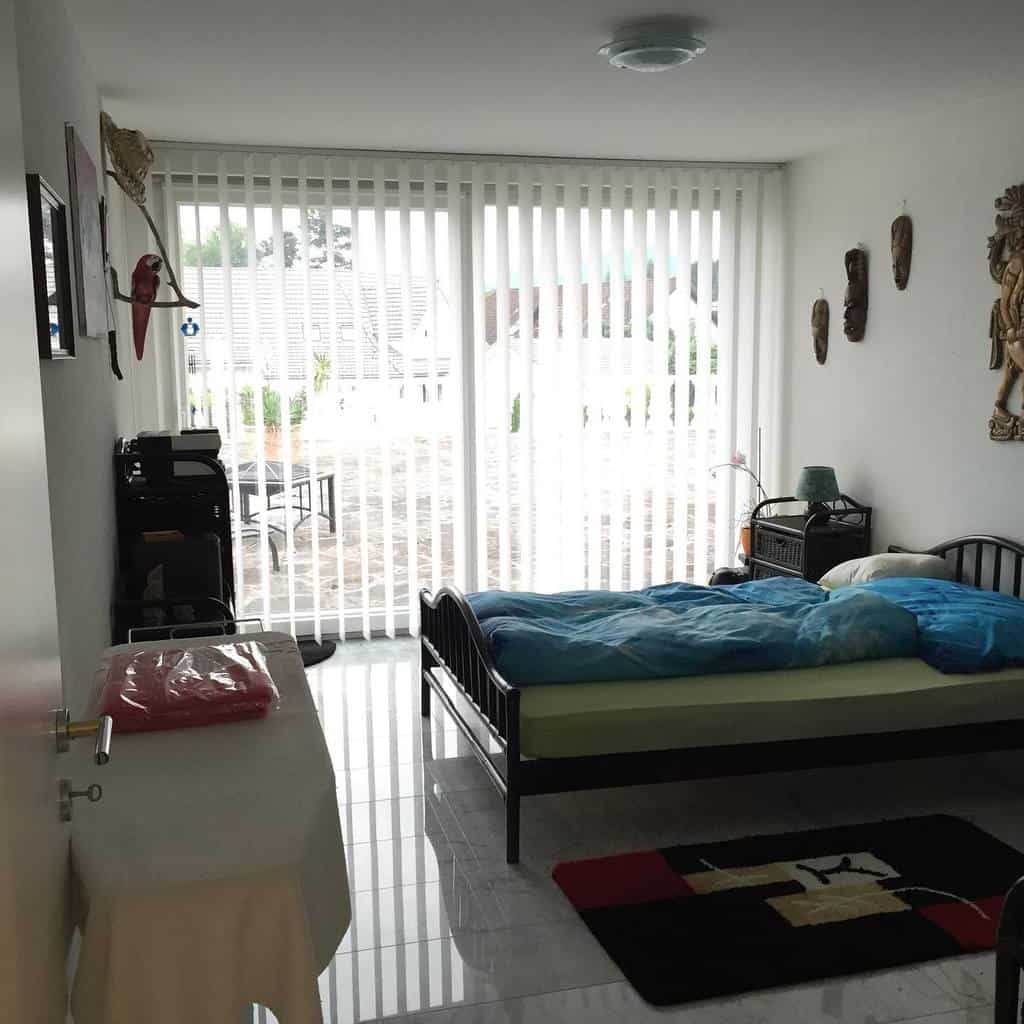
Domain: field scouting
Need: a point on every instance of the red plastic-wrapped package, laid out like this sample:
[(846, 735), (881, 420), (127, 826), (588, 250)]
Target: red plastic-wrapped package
[(173, 688)]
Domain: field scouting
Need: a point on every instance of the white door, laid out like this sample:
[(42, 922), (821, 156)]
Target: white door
[(33, 843)]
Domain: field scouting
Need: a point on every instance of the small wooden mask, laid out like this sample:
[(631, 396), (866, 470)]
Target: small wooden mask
[(819, 329), (902, 250), (855, 305)]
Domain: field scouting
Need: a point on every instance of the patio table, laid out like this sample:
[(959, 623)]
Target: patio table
[(301, 485)]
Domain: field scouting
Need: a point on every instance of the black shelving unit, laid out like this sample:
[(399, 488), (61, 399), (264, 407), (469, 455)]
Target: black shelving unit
[(810, 543), (167, 490)]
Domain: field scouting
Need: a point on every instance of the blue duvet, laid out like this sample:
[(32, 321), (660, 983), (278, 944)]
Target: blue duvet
[(681, 629), (960, 628)]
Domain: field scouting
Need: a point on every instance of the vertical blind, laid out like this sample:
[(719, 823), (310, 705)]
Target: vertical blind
[(492, 374)]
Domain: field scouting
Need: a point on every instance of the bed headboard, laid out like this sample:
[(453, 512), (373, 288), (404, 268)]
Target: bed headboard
[(982, 561)]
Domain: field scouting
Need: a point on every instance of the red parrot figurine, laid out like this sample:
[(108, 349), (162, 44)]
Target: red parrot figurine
[(144, 285)]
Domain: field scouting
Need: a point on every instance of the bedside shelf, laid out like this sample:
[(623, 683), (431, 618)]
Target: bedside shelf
[(807, 545)]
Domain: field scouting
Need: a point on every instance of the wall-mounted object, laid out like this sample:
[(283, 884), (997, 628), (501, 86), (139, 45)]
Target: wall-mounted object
[(902, 250), (48, 233), (820, 316), (1006, 265), (132, 157), (115, 367), (88, 243), (145, 281), (855, 304)]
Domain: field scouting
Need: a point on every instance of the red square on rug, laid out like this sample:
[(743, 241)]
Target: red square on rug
[(964, 922), (621, 880)]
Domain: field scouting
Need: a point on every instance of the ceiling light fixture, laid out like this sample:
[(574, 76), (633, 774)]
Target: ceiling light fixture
[(652, 51)]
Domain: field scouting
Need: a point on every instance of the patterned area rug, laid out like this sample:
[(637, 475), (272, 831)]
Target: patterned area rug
[(694, 922)]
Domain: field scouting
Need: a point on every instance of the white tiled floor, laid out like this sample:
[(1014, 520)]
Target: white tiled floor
[(444, 932)]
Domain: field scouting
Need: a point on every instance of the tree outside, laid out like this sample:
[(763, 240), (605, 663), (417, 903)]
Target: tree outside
[(209, 253)]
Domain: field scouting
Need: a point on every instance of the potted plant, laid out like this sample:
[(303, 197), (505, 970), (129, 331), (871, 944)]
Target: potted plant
[(738, 462), (272, 436)]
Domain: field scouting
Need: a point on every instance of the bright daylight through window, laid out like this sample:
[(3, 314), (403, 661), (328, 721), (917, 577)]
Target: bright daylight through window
[(492, 375)]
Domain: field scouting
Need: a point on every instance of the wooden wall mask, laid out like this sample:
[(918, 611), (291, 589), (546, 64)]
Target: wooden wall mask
[(855, 305), (902, 250), (820, 316)]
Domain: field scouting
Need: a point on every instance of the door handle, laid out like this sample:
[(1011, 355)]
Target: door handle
[(102, 728)]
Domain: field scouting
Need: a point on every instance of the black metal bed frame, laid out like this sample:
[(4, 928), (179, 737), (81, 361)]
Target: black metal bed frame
[(485, 708)]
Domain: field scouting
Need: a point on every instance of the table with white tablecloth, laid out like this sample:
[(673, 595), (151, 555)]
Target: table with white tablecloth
[(212, 873)]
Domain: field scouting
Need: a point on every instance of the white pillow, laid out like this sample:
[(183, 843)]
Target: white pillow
[(878, 567)]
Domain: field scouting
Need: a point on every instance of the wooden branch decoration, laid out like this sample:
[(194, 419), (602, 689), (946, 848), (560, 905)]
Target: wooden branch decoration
[(120, 295), (182, 301)]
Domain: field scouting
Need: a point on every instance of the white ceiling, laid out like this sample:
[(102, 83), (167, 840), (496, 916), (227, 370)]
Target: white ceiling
[(781, 78)]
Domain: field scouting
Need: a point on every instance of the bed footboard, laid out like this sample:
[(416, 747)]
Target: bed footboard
[(451, 640)]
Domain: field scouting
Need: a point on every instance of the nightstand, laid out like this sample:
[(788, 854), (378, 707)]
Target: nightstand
[(807, 544)]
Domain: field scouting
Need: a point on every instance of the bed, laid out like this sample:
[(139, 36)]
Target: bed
[(589, 735)]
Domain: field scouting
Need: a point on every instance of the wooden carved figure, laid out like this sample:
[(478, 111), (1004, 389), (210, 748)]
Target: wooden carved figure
[(819, 329), (902, 250), (855, 306), (1006, 329)]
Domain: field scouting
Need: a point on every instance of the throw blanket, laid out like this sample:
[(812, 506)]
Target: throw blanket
[(681, 629), (960, 628)]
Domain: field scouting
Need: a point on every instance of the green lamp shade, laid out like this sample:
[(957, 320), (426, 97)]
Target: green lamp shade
[(817, 484)]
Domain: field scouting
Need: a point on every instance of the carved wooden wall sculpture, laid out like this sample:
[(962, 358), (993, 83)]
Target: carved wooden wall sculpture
[(1006, 264), (855, 306), (819, 329), (902, 250)]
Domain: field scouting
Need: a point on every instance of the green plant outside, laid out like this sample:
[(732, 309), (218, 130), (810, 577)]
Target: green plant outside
[(271, 407), (321, 371), (193, 399)]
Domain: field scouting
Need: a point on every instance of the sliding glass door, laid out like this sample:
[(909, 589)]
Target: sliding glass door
[(486, 374)]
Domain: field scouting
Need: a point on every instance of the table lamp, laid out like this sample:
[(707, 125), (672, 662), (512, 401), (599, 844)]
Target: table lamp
[(817, 485)]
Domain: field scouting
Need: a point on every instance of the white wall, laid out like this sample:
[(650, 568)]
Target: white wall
[(903, 415), (84, 407)]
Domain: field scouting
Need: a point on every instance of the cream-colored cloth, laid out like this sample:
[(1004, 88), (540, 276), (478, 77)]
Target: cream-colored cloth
[(212, 873)]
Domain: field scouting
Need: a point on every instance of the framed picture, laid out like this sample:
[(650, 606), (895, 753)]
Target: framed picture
[(48, 233), (87, 237)]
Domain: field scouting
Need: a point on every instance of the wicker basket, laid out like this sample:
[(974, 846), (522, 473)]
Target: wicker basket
[(763, 572), (778, 548)]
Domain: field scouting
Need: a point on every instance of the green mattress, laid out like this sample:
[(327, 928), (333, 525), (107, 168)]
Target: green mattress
[(577, 719)]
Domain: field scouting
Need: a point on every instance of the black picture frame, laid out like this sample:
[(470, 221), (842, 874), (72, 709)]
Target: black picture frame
[(51, 271)]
